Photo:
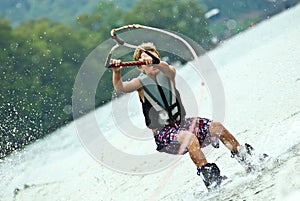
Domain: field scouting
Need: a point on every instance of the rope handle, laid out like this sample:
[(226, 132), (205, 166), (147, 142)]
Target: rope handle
[(128, 63), (121, 42), (113, 32)]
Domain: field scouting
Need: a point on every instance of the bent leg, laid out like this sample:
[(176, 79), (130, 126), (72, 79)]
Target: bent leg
[(209, 172), (189, 140), (218, 130)]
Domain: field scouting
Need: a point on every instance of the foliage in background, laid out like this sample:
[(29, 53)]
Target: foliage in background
[(185, 17), (38, 66), (40, 58)]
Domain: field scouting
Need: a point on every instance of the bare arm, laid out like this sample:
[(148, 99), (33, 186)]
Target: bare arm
[(163, 66), (167, 69), (125, 87)]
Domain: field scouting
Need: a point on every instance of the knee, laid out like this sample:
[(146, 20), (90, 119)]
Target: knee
[(216, 129), (186, 137)]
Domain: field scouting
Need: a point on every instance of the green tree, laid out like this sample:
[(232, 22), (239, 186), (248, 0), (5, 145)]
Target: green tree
[(5, 38), (105, 17), (185, 17), (38, 70)]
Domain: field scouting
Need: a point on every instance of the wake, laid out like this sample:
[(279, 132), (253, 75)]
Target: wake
[(272, 180)]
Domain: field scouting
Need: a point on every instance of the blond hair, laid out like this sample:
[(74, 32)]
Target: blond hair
[(144, 46)]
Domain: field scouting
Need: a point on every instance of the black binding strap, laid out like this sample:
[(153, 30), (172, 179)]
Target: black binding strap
[(169, 108), (161, 92)]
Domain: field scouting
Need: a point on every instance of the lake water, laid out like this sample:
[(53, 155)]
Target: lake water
[(103, 157)]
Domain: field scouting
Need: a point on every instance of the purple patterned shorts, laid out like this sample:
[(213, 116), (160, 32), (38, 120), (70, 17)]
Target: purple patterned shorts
[(166, 138)]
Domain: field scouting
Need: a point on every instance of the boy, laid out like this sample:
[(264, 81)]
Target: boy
[(165, 115)]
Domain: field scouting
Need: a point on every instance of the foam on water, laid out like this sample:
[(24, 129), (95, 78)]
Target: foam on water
[(260, 71)]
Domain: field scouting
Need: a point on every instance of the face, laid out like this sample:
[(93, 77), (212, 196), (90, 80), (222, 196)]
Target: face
[(149, 69)]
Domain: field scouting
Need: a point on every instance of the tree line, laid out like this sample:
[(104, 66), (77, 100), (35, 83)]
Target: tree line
[(40, 60)]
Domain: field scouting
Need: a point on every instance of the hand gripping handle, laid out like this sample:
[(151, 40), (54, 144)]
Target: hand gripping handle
[(128, 63)]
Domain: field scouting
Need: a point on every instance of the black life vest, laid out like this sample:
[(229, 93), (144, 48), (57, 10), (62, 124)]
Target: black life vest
[(162, 103)]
